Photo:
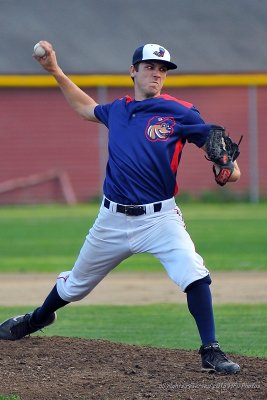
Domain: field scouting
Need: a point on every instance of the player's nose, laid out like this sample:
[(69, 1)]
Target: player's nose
[(156, 74)]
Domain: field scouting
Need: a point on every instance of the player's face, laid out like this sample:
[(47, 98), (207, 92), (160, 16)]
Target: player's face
[(148, 79)]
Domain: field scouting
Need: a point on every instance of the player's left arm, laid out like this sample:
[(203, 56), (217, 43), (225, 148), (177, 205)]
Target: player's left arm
[(221, 150)]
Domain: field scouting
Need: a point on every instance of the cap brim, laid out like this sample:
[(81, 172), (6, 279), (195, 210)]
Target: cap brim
[(168, 64)]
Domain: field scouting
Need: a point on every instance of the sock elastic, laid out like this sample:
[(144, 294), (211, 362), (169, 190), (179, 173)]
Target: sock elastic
[(199, 303), (52, 303)]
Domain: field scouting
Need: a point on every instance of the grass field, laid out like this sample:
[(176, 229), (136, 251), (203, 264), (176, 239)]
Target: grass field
[(48, 238), (241, 328), (229, 237)]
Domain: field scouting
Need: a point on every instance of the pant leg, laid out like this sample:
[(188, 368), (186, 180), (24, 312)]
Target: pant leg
[(105, 246), (168, 240)]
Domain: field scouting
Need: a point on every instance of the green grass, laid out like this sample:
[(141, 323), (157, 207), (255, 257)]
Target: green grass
[(229, 237), (241, 329), (48, 238)]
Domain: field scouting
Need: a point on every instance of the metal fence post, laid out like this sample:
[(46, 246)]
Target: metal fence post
[(253, 144), (102, 138)]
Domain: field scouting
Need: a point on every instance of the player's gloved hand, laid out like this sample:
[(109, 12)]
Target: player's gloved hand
[(222, 151)]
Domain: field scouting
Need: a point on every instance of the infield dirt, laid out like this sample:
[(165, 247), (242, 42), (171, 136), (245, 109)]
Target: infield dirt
[(40, 368), (52, 368)]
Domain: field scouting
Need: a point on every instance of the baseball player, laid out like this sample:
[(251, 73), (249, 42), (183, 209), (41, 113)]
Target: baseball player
[(138, 213)]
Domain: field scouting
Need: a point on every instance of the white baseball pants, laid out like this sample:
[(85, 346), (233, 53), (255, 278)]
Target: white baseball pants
[(116, 236)]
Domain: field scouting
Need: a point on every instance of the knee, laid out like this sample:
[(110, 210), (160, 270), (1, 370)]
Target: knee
[(206, 280)]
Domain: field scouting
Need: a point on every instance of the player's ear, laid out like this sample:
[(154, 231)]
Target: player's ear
[(132, 71)]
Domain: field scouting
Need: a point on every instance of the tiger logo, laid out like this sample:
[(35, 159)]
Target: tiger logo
[(160, 128)]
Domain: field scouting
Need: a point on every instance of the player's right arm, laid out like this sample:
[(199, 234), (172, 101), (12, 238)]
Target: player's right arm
[(78, 100)]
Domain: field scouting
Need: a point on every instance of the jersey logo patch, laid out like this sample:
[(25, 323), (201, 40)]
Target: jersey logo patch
[(160, 128)]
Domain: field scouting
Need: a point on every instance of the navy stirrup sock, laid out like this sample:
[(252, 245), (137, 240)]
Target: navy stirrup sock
[(52, 303), (199, 303)]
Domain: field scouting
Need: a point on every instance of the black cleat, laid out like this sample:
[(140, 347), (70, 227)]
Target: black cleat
[(214, 360), (17, 327)]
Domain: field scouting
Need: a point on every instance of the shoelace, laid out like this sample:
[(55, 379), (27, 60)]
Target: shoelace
[(217, 354)]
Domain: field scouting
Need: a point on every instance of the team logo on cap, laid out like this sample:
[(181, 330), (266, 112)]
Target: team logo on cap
[(160, 53), (160, 128)]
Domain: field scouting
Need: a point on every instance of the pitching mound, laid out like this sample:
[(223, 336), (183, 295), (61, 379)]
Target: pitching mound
[(65, 368)]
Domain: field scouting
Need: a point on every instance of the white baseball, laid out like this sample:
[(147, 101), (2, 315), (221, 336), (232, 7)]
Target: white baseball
[(39, 51)]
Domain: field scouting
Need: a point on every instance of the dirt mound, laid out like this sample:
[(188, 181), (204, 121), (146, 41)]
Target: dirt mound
[(55, 368)]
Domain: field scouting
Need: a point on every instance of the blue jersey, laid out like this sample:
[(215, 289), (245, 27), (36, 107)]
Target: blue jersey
[(146, 139)]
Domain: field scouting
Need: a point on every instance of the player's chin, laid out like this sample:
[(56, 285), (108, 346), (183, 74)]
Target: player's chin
[(153, 91)]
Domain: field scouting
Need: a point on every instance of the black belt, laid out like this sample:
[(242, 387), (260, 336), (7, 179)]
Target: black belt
[(132, 210)]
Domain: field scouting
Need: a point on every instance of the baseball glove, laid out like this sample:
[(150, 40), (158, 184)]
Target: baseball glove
[(222, 151)]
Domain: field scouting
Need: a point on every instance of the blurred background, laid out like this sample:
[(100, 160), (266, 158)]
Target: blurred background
[(48, 154)]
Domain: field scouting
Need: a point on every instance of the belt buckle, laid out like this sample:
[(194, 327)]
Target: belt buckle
[(134, 210)]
